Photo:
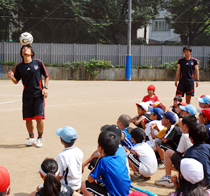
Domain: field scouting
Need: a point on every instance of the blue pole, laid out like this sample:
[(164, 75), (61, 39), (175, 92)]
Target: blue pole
[(128, 67), (128, 57)]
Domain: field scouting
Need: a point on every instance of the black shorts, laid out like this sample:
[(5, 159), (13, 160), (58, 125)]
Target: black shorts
[(165, 146), (183, 88), (96, 189), (33, 108), (176, 159), (135, 160)]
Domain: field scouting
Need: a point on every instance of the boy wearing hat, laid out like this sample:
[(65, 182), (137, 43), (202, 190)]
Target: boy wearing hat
[(110, 175), (185, 73), (171, 139), (188, 110), (174, 157), (142, 159), (4, 181), (204, 118), (156, 117), (151, 94), (204, 101), (143, 117), (70, 159), (200, 150)]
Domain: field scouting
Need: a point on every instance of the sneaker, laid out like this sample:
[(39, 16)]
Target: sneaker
[(137, 177), (164, 181), (31, 142), (39, 143), (161, 165)]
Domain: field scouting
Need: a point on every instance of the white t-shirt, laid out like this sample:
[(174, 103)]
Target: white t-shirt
[(70, 166), (151, 142), (184, 143), (146, 156)]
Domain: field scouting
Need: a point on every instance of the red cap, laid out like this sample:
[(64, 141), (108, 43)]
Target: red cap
[(202, 96), (182, 103), (151, 87), (206, 113), (4, 179)]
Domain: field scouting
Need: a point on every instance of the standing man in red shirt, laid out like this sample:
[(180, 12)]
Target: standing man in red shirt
[(185, 70), (30, 70)]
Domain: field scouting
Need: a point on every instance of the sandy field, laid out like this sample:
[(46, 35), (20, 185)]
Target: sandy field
[(84, 105)]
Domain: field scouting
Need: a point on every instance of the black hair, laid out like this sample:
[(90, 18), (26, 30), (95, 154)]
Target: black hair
[(140, 107), (69, 144), (3, 193), (51, 183), (138, 134), (125, 120), (32, 51), (187, 48), (178, 98), (198, 133), (188, 189), (109, 141), (189, 120)]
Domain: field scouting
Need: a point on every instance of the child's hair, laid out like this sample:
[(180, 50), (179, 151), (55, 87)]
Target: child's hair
[(189, 120), (178, 98), (188, 189), (32, 51), (125, 120), (187, 48), (198, 133), (138, 134), (139, 106), (51, 183), (109, 141), (69, 144)]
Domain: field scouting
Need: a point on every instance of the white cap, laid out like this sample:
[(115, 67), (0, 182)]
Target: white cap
[(144, 105), (191, 170)]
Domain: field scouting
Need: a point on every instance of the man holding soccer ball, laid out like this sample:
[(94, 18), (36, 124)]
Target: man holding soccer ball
[(30, 70)]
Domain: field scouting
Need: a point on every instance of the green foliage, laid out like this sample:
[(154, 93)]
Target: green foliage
[(120, 66), (47, 64), (8, 63), (172, 65)]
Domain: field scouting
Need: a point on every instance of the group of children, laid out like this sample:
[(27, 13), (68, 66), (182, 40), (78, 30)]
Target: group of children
[(170, 139)]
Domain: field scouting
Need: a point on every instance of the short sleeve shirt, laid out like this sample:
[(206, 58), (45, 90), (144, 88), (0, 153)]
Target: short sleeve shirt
[(148, 98), (184, 143), (187, 68), (114, 174), (201, 152), (31, 75)]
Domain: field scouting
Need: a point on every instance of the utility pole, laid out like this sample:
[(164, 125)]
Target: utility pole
[(128, 57)]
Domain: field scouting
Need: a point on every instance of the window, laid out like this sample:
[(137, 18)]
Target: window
[(160, 25)]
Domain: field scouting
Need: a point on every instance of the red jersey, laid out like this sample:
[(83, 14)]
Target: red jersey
[(148, 98)]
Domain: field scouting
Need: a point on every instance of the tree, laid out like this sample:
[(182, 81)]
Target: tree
[(189, 18)]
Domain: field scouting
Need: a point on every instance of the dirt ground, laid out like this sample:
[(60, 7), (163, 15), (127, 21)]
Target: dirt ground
[(84, 105)]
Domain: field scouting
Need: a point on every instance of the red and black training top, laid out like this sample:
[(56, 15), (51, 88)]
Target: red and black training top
[(187, 68), (31, 75)]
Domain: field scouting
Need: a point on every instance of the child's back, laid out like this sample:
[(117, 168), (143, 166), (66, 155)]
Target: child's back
[(114, 175)]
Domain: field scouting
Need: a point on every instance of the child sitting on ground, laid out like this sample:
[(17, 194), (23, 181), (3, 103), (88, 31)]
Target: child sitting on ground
[(174, 157), (142, 159), (143, 117), (190, 179), (49, 172), (204, 101), (200, 151), (151, 95), (70, 159), (110, 168)]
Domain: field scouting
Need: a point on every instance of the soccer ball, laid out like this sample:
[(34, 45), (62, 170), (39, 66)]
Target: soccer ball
[(26, 38)]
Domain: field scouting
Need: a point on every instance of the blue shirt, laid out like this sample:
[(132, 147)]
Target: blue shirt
[(114, 174), (127, 141), (121, 153), (201, 152)]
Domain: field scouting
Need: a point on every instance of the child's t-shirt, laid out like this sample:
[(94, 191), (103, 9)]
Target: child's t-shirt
[(201, 153), (127, 141), (154, 98), (70, 166), (184, 143), (114, 175), (146, 156)]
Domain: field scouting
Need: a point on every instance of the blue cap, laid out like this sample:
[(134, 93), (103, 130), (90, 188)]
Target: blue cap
[(157, 111), (205, 99), (67, 134), (170, 116), (189, 108)]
